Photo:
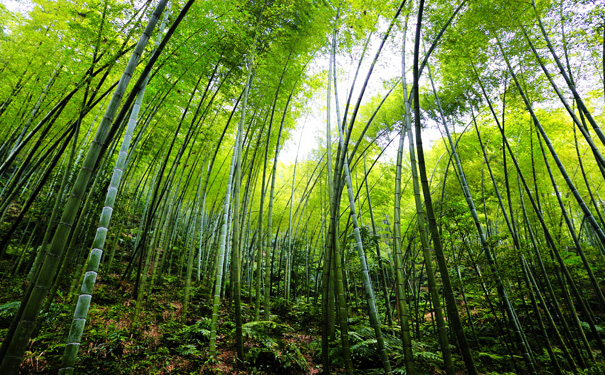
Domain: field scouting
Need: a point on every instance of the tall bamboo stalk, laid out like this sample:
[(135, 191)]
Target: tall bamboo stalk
[(451, 306), (17, 339)]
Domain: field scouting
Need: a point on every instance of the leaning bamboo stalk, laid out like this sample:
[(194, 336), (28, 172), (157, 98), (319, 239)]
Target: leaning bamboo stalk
[(517, 329), (597, 154), (568, 79), (549, 348), (432, 224), (401, 297), (220, 261), (235, 181), (439, 319), (17, 340), (191, 249), (580, 251), (334, 189), (538, 293), (520, 177), (549, 239), (589, 216), (80, 314), (383, 275), (235, 242), (371, 301)]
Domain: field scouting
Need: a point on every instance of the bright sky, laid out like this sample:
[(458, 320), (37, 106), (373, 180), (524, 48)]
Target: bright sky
[(388, 67), (16, 5)]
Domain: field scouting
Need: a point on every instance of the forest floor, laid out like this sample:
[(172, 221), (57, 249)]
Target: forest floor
[(162, 343)]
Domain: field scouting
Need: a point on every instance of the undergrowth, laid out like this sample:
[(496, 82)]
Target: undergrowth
[(290, 343)]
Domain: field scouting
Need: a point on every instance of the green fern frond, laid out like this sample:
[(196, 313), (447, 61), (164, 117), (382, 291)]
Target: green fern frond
[(9, 309), (429, 357), (355, 336), (364, 349)]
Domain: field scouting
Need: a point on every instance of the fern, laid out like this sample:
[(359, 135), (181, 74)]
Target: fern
[(281, 306), (184, 339), (266, 332), (355, 336), (293, 358), (9, 309), (429, 357), (365, 349), (273, 354), (188, 349)]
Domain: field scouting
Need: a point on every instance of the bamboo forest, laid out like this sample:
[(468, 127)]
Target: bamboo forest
[(302, 187)]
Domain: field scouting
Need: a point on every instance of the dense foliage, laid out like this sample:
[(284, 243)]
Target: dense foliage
[(449, 218)]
